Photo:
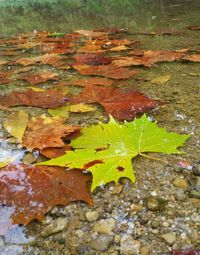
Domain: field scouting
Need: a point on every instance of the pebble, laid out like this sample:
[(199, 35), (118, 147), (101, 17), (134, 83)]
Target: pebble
[(129, 246), (155, 224), (92, 216), (196, 170), (29, 158), (194, 194), (169, 238), (136, 208), (155, 203), (180, 183), (180, 195), (102, 242), (105, 226), (145, 250), (117, 189), (56, 226)]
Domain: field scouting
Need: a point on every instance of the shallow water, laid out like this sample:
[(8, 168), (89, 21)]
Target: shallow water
[(182, 94)]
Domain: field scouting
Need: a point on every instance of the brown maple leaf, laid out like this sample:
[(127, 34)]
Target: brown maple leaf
[(44, 132), (4, 78), (87, 82), (29, 192), (192, 58), (122, 105), (51, 98), (109, 71), (92, 59), (55, 152), (36, 78)]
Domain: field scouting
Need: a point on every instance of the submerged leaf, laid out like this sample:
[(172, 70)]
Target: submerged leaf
[(30, 192), (16, 123), (161, 79), (44, 132), (120, 144)]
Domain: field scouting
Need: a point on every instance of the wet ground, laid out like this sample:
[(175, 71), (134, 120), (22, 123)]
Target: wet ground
[(160, 212)]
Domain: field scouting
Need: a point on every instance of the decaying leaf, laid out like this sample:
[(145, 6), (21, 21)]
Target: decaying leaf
[(36, 78), (121, 143), (44, 132), (30, 192), (161, 79), (81, 108), (186, 252), (16, 123), (121, 104), (55, 152), (87, 82), (92, 59), (51, 98), (192, 58), (109, 71), (4, 78)]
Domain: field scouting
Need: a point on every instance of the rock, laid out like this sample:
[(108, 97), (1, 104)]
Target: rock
[(102, 242), (155, 224), (194, 194), (129, 246), (29, 158), (180, 195), (1, 241), (156, 203), (117, 189), (169, 238), (54, 227), (180, 183), (136, 207), (145, 250), (105, 226), (92, 216), (196, 170)]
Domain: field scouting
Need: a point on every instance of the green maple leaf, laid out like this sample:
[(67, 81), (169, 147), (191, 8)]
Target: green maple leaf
[(106, 150)]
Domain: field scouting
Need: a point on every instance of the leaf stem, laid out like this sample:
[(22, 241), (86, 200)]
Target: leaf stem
[(153, 158)]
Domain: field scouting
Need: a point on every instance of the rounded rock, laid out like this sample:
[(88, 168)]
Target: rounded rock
[(129, 246), (180, 183), (91, 216), (102, 242), (169, 238)]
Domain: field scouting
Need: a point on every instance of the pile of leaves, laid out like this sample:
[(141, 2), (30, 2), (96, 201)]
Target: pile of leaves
[(47, 67)]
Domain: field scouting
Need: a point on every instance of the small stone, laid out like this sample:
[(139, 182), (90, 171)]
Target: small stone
[(105, 226), (29, 158), (180, 195), (169, 238), (56, 226), (129, 246), (180, 183), (145, 250), (117, 238), (117, 189), (102, 242), (136, 207), (155, 224), (196, 170), (92, 216), (156, 204), (194, 194)]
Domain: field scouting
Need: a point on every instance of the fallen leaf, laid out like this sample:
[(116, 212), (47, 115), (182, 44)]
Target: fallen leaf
[(121, 143), (87, 82), (89, 33), (119, 48), (194, 27), (192, 58), (16, 123), (132, 61), (55, 152), (31, 192), (4, 78), (36, 78), (161, 79), (62, 112), (51, 98), (121, 104), (92, 59), (81, 108), (44, 132), (109, 71)]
